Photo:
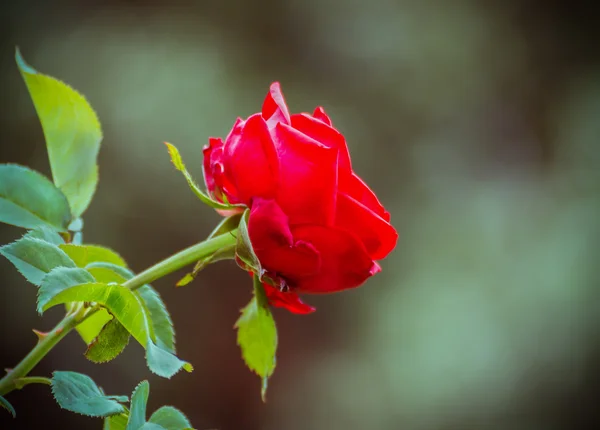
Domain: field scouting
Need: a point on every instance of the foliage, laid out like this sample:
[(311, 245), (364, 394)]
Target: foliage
[(104, 300)]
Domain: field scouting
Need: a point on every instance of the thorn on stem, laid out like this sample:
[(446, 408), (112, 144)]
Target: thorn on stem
[(41, 335)]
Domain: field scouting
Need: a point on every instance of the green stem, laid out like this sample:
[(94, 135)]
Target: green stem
[(7, 384), (71, 320), (21, 382), (181, 259)]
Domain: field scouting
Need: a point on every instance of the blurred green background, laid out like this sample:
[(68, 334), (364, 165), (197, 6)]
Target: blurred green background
[(476, 122)]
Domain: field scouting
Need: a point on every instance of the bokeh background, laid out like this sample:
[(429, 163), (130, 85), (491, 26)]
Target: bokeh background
[(476, 122)]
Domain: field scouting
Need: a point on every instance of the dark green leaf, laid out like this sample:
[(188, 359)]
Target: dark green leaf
[(34, 258), (78, 393), (72, 133), (83, 255), (28, 199), (170, 418), (59, 279), (139, 399), (6, 405), (131, 311), (111, 341), (257, 335), (178, 163)]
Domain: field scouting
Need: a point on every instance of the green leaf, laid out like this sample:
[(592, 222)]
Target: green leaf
[(161, 320), (257, 335), (139, 399), (47, 234), (83, 255), (76, 225), (6, 405), (90, 329), (78, 393), (28, 199), (178, 163), (93, 325), (120, 301), (111, 341), (116, 422), (151, 426), (59, 279), (131, 311), (107, 273), (170, 418), (34, 258), (244, 250), (72, 132)]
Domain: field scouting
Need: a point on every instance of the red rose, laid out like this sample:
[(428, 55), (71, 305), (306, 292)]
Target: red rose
[(313, 222)]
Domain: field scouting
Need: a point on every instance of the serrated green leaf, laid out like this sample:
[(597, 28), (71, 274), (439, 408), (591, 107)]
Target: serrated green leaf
[(131, 311), (111, 341), (83, 255), (139, 400), (91, 328), (34, 258), (72, 132), (105, 274), (59, 279), (120, 301), (170, 418), (79, 393), (6, 405), (257, 335), (47, 234), (204, 198), (28, 199), (161, 320)]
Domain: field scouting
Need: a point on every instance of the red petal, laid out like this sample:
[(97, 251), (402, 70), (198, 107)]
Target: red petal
[(274, 109), (215, 145), (344, 261), (359, 191), (377, 235), (325, 135), (287, 300), (274, 245), (308, 177), (250, 160), (320, 114)]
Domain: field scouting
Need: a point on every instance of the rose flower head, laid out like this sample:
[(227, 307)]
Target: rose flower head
[(314, 225)]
